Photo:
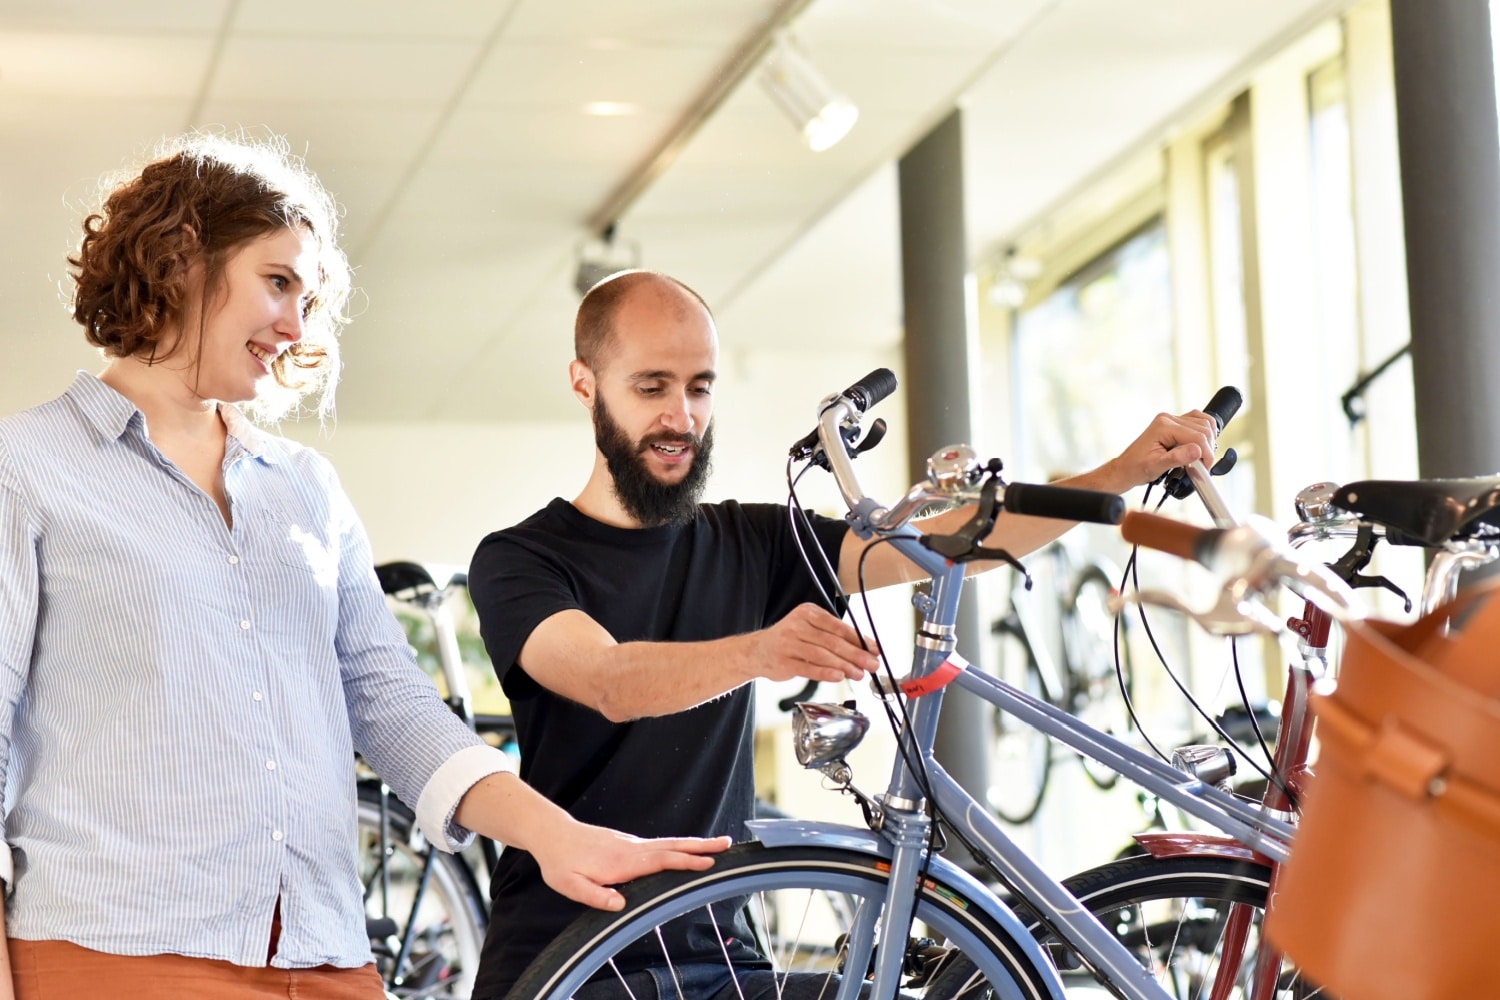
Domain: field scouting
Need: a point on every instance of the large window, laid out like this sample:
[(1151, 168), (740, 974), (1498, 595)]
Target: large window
[(1094, 359)]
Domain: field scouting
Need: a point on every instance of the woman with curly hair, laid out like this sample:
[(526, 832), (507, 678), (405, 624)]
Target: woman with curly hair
[(193, 644)]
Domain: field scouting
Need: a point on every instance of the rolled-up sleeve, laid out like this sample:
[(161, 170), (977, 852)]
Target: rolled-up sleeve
[(18, 616)]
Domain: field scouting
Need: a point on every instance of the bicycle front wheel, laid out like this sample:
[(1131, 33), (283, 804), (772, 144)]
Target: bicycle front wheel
[(1194, 922), (803, 905)]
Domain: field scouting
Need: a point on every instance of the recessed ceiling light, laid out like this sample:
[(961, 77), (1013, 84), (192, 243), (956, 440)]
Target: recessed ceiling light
[(611, 109)]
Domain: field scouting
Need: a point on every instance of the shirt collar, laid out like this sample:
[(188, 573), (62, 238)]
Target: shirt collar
[(252, 438), (110, 414)]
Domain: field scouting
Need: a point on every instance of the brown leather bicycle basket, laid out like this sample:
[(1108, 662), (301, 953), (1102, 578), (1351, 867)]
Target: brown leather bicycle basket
[(1393, 879)]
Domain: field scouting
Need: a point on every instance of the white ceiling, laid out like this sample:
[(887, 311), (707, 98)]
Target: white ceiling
[(454, 134)]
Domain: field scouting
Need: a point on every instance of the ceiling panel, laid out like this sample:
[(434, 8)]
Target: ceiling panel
[(375, 71), (886, 26), (95, 16), (718, 23), (564, 77), (100, 66), (531, 137), (1118, 72), (462, 20), (323, 130)]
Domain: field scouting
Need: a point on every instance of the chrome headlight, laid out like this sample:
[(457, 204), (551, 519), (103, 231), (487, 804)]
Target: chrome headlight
[(823, 733), (1210, 764)]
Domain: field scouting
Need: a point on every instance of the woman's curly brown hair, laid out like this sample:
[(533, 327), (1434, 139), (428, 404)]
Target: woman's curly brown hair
[(202, 199)]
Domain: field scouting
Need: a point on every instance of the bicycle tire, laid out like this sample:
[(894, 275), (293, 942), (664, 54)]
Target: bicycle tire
[(1089, 645), (1020, 763), (1171, 913), (754, 876), (442, 923)]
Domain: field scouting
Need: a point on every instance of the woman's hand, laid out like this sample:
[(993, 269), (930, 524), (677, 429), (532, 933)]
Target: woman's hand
[(583, 862), (578, 860)]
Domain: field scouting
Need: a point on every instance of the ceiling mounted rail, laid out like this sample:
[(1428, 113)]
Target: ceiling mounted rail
[(739, 66)]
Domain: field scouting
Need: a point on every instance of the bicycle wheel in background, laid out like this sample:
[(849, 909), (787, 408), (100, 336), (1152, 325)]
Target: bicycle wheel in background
[(1020, 762), (1172, 913), (1088, 633), (795, 883), (423, 907)]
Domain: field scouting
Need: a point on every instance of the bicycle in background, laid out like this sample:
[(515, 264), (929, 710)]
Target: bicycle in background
[(1089, 676), (426, 910)]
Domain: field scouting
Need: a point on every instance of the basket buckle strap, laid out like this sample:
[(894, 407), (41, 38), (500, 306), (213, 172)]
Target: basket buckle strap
[(1404, 761), (1409, 764)]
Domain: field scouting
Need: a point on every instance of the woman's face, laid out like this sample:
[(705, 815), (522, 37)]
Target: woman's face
[(256, 313)]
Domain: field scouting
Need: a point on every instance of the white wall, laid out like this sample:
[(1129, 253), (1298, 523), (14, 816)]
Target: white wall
[(431, 491)]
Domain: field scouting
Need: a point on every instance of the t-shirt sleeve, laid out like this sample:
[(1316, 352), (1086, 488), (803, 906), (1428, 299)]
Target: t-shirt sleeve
[(514, 589)]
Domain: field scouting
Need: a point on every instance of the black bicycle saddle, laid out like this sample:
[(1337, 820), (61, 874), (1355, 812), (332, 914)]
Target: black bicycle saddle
[(1424, 511), (398, 576)]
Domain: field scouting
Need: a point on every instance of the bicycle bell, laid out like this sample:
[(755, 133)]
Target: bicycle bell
[(824, 733), (1315, 503), (953, 467)]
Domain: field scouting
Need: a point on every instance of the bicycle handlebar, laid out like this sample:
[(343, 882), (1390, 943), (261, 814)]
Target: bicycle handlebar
[(842, 411), (1064, 503), (1224, 405), (871, 389)]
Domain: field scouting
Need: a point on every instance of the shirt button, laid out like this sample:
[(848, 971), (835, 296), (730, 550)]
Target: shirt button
[(255, 695), (270, 765), (244, 623), (234, 560), (276, 835)]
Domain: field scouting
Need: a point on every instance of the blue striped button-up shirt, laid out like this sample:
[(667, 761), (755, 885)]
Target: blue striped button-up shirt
[(181, 699)]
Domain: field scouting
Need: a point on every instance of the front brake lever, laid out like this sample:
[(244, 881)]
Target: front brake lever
[(963, 543), (807, 448), (1359, 580), (1347, 567), (1176, 484)]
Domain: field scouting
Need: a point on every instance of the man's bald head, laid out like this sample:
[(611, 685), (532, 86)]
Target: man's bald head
[(594, 327)]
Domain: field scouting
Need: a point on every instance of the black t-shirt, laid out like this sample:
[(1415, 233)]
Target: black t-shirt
[(734, 569)]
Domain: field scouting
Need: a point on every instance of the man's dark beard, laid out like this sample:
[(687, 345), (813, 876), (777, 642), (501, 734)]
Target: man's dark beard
[(644, 497)]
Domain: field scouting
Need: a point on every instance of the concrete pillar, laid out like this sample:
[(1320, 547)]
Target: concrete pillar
[(935, 385), (1450, 185)]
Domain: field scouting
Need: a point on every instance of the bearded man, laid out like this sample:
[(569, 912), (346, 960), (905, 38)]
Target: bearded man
[(625, 626)]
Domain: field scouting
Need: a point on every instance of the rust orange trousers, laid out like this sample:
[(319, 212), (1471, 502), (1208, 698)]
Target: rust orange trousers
[(61, 970)]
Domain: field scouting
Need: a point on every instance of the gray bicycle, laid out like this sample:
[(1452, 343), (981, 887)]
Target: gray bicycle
[(1145, 928)]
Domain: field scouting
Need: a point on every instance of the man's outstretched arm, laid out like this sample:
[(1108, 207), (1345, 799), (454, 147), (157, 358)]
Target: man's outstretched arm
[(1166, 443), (572, 655)]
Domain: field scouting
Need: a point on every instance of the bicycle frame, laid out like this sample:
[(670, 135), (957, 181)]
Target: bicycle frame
[(904, 824)]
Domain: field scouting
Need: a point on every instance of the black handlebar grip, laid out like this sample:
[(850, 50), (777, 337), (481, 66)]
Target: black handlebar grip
[(1064, 503), (871, 389), (1224, 405)]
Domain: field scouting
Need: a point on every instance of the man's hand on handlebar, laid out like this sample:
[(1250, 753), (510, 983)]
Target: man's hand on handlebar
[(1166, 443), (813, 644)]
